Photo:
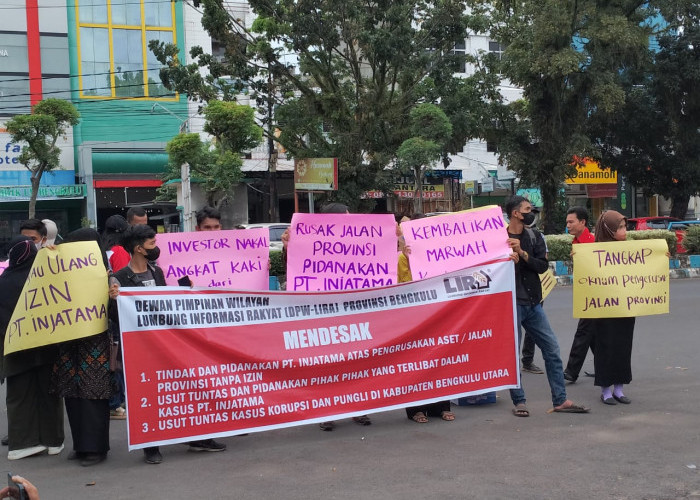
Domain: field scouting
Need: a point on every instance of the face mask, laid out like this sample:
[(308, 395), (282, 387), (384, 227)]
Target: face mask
[(528, 218), (152, 254)]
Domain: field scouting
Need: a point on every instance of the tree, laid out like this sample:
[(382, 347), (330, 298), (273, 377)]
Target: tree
[(216, 165), (655, 139), (431, 130), (359, 68), (39, 133), (567, 56)]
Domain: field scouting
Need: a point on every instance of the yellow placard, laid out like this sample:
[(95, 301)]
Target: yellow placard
[(621, 279), (590, 172), (548, 281), (316, 174), (64, 298)]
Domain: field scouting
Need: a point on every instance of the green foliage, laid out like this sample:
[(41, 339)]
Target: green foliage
[(559, 246), (656, 234), (567, 57), (654, 140), (691, 240), (276, 265), (217, 167), (233, 125), (38, 134), (362, 67)]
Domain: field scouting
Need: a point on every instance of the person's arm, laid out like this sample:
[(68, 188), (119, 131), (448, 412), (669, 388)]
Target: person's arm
[(535, 258)]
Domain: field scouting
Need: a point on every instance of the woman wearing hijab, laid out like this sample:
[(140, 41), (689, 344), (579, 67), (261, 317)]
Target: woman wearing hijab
[(34, 416), (82, 377), (612, 336)]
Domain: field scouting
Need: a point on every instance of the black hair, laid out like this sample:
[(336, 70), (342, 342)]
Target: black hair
[(115, 226), (134, 212), (334, 208), (580, 212), (34, 225), (514, 203), (207, 213), (136, 236)]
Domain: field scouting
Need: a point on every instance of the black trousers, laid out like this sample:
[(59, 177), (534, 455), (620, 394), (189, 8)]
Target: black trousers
[(583, 340), (430, 410), (34, 416), (89, 424), (528, 352)]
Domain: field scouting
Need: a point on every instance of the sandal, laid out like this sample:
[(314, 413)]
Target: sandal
[(327, 426), (420, 418), (569, 407), (447, 415), (362, 420), (521, 410)]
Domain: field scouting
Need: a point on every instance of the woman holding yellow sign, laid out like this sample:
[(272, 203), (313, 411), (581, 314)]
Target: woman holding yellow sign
[(612, 337)]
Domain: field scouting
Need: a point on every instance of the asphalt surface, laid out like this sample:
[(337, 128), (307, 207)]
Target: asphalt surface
[(647, 450)]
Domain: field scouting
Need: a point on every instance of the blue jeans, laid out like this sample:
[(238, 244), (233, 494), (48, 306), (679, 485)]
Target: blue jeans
[(534, 320)]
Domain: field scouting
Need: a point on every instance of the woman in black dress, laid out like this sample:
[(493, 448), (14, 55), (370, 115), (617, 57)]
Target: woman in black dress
[(82, 377), (612, 336)]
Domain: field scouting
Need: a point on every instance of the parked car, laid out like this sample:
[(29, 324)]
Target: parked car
[(680, 228), (276, 230), (645, 223)]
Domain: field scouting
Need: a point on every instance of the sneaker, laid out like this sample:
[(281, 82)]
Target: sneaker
[(569, 377), (152, 455), (533, 368), (207, 445), (25, 452), (55, 450), (117, 414)]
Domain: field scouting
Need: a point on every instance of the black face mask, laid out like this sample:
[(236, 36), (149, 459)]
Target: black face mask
[(152, 254), (528, 218)]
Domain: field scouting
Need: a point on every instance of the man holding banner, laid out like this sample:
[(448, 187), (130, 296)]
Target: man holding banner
[(530, 261), (140, 242)]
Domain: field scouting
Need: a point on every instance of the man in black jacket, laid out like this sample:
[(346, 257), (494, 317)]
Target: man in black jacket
[(140, 242), (529, 255)]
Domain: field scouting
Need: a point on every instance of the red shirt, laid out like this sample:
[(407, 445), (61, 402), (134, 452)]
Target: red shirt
[(118, 258), (584, 237)]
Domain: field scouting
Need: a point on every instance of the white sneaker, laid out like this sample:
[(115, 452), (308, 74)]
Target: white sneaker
[(25, 452), (55, 450)]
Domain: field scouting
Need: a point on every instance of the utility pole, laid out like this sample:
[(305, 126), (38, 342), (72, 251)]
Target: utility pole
[(272, 152)]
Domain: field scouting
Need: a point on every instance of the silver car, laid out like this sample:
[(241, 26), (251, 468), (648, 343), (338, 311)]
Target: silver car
[(276, 230)]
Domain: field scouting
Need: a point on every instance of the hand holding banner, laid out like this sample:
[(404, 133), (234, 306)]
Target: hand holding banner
[(341, 252), (621, 279), (450, 242), (64, 298), (232, 259), (208, 363)]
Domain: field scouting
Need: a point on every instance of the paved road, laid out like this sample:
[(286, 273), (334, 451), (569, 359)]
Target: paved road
[(647, 450)]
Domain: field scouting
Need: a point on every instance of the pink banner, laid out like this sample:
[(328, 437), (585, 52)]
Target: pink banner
[(341, 252), (3, 265), (447, 243), (232, 259)]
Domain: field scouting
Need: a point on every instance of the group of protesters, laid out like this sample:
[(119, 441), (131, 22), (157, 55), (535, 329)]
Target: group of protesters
[(85, 374)]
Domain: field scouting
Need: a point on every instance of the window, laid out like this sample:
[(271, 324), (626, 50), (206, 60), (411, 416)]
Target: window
[(113, 37), (460, 51), (496, 49)]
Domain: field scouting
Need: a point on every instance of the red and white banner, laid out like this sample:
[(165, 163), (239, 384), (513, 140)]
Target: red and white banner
[(208, 363)]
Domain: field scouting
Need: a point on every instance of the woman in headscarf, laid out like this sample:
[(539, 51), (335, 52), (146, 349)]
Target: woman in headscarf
[(612, 336), (34, 417), (82, 377)]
